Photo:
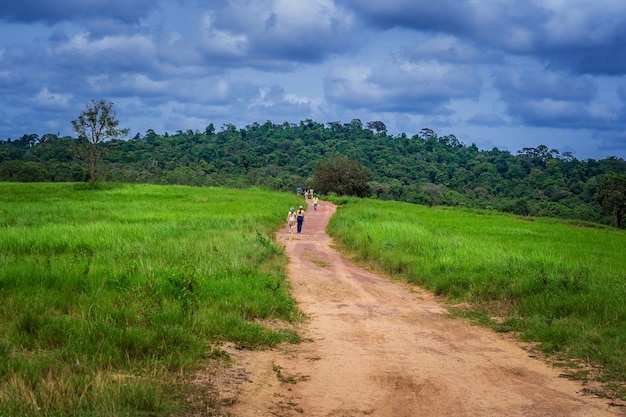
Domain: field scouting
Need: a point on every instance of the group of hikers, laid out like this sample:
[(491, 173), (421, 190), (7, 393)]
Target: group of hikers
[(295, 218)]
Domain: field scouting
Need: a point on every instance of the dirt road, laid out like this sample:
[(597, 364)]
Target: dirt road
[(380, 348)]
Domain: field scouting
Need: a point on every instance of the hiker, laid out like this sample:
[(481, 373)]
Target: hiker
[(300, 218), (315, 200), (291, 219)]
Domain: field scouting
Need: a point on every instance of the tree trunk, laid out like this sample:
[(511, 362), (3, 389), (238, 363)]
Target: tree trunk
[(94, 157)]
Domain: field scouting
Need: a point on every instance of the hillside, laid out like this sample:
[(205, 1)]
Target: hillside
[(426, 168)]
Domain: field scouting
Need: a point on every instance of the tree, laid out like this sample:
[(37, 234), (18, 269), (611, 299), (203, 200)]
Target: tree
[(342, 176), (433, 194), (97, 124), (427, 133), (378, 126), (612, 196)]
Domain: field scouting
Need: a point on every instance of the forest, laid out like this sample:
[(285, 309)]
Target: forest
[(424, 169)]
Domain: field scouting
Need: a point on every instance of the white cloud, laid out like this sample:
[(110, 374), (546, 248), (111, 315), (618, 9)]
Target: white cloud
[(136, 47), (422, 86), (221, 43), (579, 21), (446, 48), (48, 100), (275, 33)]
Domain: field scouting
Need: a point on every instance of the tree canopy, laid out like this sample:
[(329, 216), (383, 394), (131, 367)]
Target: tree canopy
[(342, 176), (97, 124), (425, 168)]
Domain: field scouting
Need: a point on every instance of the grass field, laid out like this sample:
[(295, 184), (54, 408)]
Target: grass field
[(560, 284), (111, 297)]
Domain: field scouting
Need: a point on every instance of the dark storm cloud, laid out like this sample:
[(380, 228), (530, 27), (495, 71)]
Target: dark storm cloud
[(492, 120), (28, 11), (579, 35), (521, 84), (544, 98), (423, 15)]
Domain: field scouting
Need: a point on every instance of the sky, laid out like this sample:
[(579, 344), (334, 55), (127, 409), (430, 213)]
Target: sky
[(508, 74)]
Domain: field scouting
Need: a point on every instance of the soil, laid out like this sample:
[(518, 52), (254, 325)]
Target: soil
[(376, 347)]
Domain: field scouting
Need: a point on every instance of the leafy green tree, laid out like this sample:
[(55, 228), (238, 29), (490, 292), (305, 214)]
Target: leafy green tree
[(97, 124), (342, 176), (612, 196)]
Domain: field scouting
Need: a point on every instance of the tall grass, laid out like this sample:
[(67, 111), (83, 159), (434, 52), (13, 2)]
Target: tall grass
[(109, 297), (560, 284)]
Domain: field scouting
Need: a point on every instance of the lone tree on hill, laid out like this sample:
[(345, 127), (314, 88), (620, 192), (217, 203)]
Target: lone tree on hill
[(342, 176), (612, 196), (97, 124)]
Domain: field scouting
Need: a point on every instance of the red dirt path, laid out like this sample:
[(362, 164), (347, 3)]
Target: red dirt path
[(379, 348)]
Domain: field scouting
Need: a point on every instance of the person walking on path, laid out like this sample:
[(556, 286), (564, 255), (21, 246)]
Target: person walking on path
[(315, 200), (300, 218), (291, 219)]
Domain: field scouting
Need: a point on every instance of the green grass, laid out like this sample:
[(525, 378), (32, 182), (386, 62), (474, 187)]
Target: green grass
[(110, 297), (556, 283)]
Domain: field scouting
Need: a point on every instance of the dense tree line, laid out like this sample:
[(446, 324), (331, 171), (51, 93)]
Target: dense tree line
[(425, 168)]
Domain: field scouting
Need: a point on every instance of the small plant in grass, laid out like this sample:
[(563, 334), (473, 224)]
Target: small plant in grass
[(185, 287)]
